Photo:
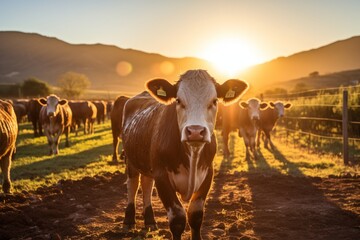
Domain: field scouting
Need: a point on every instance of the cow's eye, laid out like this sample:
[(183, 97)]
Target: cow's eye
[(213, 104), (179, 103)]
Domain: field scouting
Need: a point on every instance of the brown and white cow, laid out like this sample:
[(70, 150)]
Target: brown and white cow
[(268, 119), (55, 117), (241, 117), (172, 143), (8, 135), (116, 117), (83, 112), (34, 116), (249, 118)]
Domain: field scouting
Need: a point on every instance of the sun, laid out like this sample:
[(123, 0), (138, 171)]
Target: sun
[(231, 55)]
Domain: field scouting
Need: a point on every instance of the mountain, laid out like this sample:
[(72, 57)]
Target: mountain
[(335, 57), (24, 55)]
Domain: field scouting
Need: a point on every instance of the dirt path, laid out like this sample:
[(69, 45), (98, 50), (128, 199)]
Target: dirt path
[(240, 206)]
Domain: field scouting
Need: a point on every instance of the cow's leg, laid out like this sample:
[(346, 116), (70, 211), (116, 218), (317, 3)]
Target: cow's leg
[(115, 134), (36, 134), (266, 139), (246, 142), (147, 185), (225, 137), (5, 163), (259, 132), (40, 129), (175, 211), (49, 138), (67, 131), (56, 141), (252, 146), (196, 207), (132, 188)]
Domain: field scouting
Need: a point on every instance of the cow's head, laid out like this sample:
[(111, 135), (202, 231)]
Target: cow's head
[(196, 95), (254, 106), (280, 107), (52, 104)]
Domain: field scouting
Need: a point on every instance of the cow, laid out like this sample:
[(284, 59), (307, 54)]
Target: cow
[(55, 117), (101, 111), (83, 112), (109, 107), (168, 139), (8, 135), (241, 117), (34, 116), (116, 117), (20, 111), (249, 123), (268, 119)]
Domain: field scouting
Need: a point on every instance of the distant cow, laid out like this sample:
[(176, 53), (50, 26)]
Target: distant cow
[(109, 107), (55, 117), (34, 116), (83, 112), (240, 117), (8, 135), (268, 119), (249, 123), (172, 142), (20, 111), (101, 111), (116, 124)]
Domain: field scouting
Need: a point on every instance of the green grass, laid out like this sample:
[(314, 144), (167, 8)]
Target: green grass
[(90, 155), (285, 159)]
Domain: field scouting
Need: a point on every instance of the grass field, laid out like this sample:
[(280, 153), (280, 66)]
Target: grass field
[(90, 155)]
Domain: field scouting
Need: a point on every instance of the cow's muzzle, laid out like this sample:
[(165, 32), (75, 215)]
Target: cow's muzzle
[(51, 114), (195, 133)]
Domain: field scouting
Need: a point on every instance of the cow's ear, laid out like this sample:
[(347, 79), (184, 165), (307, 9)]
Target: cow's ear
[(42, 101), (263, 105), (271, 105), (161, 90), (287, 106), (231, 90), (63, 101), (243, 105)]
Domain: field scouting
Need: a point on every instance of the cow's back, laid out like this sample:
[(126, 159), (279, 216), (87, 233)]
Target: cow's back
[(140, 124), (8, 128)]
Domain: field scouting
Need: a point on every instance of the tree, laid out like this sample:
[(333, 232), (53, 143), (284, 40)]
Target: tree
[(34, 87), (73, 84)]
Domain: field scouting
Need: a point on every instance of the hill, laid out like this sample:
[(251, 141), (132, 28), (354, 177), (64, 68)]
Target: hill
[(335, 57), (24, 55), (113, 69)]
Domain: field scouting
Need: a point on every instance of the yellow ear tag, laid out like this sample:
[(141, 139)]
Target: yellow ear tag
[(230, 94), (161, 92)]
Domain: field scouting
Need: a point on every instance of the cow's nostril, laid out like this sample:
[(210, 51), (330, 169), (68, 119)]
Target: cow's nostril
[(195, 133)]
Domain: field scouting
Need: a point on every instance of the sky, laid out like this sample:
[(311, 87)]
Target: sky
[(269, 28)]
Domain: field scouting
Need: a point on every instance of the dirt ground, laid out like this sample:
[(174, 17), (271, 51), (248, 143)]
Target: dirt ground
[(240, 206)]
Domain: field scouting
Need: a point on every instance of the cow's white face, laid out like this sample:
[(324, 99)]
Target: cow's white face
[(253, 106), (196, 95), (52, 104), (280, 108), (196, 107)]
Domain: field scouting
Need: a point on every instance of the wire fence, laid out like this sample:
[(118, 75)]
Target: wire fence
[(323, 120)]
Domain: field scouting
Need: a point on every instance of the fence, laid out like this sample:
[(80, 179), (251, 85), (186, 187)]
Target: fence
[(324, 115)]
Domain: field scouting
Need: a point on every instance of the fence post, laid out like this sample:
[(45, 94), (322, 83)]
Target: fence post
[(345, 128)]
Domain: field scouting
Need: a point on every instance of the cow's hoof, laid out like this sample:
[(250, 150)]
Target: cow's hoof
[(129, 227), (6, 187), (150, 227)]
